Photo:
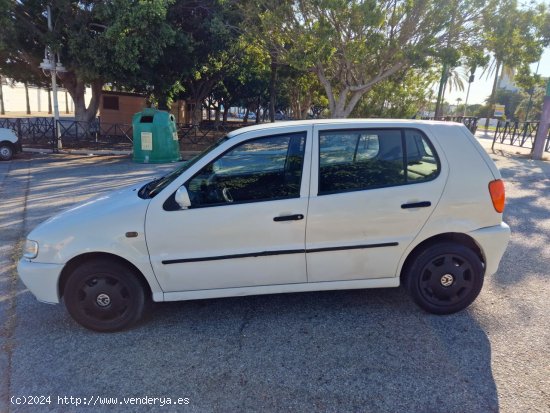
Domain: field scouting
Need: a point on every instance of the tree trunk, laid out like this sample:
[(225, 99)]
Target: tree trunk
[(245, 119), (199, 91), (27, 98), (441, 91), (76, 88), (272, 86), (217, 115), (225, 112), (493, 94), (343, 107), (197, 114), (542, 132)]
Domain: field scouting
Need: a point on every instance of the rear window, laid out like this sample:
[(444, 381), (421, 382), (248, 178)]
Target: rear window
[(353, 160)]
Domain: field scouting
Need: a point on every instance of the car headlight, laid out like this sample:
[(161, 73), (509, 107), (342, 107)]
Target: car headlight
[(31, 249)]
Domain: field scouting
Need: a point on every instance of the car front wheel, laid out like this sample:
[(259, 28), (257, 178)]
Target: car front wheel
[(445, 278), (6, 152), (104, 295)]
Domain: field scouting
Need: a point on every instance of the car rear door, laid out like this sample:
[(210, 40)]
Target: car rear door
[(369, 199)]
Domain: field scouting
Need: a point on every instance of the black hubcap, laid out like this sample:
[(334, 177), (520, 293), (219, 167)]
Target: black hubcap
[(104, 298), (446, 279)]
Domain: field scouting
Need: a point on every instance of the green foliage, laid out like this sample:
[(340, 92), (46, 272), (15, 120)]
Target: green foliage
[(530, 106), (354, 45), (245, 76), (111, 40), (515, 36), (400, 96), (97, 42), (511, 100), (6, 23)]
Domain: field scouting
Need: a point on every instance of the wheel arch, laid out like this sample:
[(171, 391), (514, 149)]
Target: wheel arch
[(77, 261), (459, 238)]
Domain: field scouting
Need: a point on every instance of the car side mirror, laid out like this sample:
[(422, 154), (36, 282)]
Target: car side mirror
[(182, 197)]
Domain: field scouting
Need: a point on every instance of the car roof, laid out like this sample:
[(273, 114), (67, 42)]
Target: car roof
[(375, 121)]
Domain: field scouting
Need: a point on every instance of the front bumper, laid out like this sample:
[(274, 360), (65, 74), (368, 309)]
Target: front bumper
[(493, 242), (41, 279)]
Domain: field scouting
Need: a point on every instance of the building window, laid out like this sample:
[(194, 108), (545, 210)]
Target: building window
[(110, 102)]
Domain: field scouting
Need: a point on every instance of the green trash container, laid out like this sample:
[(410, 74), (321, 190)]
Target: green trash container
[(155, 137)]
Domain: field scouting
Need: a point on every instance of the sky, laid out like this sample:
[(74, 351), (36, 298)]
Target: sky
[(481, 87)]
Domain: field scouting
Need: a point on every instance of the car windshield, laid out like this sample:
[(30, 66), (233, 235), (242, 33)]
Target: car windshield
[(154, 187)]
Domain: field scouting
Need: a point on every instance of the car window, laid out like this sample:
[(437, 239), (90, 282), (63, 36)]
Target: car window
[(422, 164), (374, 158), (257, 170), (356, 160)]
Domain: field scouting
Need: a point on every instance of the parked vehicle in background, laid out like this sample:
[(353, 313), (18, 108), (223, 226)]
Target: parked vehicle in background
[(284, 207), (10, 144)]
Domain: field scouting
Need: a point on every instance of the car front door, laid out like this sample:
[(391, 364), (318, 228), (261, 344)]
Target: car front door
[(246, 223), (372, 191)]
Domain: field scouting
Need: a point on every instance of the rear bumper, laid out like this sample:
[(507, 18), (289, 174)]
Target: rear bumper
[(41, 279), (493, 242)]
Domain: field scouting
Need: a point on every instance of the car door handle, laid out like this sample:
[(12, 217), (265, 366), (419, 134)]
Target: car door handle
[(295, 217), (423, 204)]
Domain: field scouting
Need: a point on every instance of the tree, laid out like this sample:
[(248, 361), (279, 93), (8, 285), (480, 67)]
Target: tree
[(300, 94), (402, 95), (211, 27), (515, 36), (259, 29), (353, 45), (531, 96), (98, 42)]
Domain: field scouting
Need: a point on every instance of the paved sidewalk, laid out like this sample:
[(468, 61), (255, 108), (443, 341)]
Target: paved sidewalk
[(486, 140)]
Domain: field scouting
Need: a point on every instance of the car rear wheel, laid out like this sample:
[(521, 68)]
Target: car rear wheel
[(104, 295), (6, 151), (445, 278)]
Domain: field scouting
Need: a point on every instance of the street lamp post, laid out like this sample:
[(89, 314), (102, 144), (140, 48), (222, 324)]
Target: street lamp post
[(50, 65)]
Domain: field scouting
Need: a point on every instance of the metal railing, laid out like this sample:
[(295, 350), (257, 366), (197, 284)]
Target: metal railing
[(520, 134), (469, 121), (43, 132)]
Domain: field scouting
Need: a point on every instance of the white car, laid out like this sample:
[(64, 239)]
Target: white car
[(280, 208), (9, 144)]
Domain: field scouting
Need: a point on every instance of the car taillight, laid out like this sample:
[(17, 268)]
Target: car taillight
[(498, 196)]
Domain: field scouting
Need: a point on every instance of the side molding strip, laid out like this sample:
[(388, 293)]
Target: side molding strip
[(280, 252)]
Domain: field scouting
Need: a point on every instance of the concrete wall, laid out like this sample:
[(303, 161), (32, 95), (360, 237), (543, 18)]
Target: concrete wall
[(15, 102)]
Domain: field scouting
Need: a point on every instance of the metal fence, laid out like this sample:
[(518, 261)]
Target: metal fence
[(469, 121), (42, 133), (518, 134)]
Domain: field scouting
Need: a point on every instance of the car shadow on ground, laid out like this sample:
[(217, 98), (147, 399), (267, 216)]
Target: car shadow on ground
[(360, 350)]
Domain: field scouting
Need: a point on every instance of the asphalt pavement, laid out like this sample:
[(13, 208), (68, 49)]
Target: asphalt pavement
[(343, 351)]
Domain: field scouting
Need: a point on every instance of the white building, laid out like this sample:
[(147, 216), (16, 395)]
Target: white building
[(15, 103), (506, 79)]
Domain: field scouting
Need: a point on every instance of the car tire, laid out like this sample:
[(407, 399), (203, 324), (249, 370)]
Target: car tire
[(445, 278), (6, 151), (104, 295)]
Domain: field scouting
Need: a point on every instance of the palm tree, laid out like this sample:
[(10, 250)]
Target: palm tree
[(458, 100)]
